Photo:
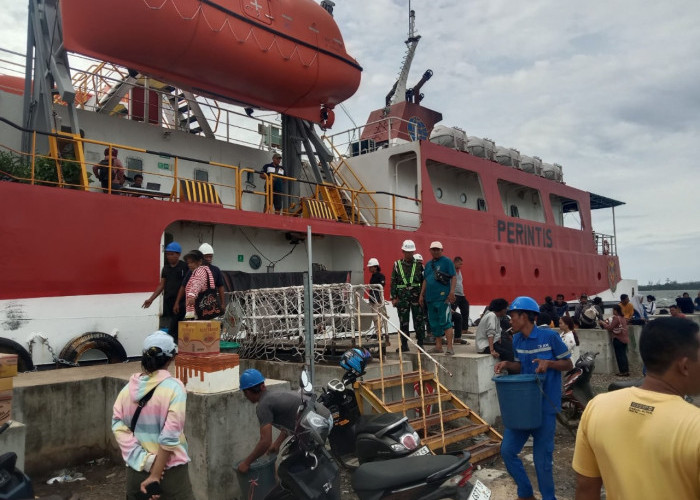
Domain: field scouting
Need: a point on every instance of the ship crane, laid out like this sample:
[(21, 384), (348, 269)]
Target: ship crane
[(398, 91)]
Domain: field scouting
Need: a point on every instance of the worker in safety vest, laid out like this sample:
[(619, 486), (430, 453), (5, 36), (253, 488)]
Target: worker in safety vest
[(406, 282)]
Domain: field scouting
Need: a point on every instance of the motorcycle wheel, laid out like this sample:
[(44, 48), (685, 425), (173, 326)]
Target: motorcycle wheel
[(569, 416)]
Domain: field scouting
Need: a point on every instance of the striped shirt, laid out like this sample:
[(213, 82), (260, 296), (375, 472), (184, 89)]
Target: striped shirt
[(161, 423)]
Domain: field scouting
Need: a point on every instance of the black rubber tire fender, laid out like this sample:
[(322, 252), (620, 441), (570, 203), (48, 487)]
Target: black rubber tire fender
[(99, 341), (24, 360)]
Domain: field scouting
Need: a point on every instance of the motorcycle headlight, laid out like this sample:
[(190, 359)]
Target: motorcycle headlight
[(317, 425)]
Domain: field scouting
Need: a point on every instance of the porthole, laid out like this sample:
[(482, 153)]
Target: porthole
[(537, 272), (438, 193), (503, 270), (255, 261), (463, 197), (600, 276)]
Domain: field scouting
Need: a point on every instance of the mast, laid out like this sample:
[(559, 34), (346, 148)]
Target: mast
[(398, 92)]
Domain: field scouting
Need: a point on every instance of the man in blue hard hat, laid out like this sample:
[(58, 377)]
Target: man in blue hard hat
[(275, 409), (537, 350), (171, 276)]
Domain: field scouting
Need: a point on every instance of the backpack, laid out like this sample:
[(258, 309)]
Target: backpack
[(103, 171), (589, 316)]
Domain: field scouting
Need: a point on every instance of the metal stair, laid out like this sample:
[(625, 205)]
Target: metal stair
[(450, 422)]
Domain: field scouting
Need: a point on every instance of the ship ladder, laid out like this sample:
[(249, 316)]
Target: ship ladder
[(352, 182), (441, 419), (446, 421)]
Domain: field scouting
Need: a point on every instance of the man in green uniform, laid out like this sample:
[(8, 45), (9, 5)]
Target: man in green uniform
[(406, 281)]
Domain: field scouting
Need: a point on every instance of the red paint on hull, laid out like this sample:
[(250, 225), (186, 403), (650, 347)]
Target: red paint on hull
[(74, 243)]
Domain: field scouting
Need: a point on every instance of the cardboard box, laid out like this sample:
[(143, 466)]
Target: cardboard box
[(5, 399), (199, 337), (8, 365), (208, 373)]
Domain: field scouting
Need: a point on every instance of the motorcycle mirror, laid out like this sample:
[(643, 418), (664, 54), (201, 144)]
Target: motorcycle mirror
[(305, 382)]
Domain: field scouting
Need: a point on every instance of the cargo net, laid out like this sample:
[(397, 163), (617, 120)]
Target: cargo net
[(268, 323)]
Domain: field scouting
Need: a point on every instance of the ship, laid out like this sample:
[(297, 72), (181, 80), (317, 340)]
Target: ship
[(190, 113)]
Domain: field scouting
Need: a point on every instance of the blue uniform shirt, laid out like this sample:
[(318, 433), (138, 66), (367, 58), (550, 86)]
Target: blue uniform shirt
[(434, 291), (543, 343)]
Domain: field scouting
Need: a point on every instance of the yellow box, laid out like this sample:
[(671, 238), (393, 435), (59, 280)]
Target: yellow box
[(5, 399), (199, 337), (8, 365)]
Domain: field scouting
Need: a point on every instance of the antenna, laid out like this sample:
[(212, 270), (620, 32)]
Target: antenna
[(399, 91)]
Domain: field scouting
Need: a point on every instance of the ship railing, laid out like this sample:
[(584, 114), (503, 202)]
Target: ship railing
[(72, 159), (606, 244), (379, 134)]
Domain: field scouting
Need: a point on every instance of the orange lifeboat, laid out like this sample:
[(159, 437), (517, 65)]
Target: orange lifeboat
[(283, 55)]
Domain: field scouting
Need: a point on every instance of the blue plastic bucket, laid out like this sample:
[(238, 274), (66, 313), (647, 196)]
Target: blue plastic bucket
[(520, 399), (260, 478)]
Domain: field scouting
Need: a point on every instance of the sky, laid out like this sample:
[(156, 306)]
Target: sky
[(608, 89)]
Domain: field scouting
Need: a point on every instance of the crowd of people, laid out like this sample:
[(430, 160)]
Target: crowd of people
[(624, 438)]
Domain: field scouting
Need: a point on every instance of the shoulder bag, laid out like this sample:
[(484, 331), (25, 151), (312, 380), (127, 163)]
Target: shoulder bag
[(206, 305)]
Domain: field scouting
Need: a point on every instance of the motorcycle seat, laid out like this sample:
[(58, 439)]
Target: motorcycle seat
[(400, 471), (375, 424), (621, 384)]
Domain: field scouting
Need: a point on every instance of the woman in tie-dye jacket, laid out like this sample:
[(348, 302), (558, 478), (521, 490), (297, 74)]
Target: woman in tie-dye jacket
[(156, 451)]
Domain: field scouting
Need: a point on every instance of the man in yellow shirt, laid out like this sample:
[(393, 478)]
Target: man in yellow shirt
[(627, 307), (644, 442)]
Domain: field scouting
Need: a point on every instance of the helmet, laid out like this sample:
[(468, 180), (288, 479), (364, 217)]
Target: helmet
[(355, 360), (206, 249), (173, 247), (408, 246), (417, 257), (372, 262), (250, 378), (524, 304)]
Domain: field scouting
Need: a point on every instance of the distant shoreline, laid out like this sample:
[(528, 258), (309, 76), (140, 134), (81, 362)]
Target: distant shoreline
[(689, 286)]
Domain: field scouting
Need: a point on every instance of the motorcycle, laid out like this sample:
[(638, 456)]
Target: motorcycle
[(577, 391), (307, 470), (355, 438), (14, 484)]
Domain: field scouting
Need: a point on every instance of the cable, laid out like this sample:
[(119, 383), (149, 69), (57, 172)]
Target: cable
[(262, 254)]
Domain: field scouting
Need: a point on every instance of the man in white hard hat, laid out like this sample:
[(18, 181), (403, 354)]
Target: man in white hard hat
[(438, 292), (406, 281), (376, 298)]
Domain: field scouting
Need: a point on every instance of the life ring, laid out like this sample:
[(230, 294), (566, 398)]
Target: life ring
[(606, 247), (102, 342), (24, 359)]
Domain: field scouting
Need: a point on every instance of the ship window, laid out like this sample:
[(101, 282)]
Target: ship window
[(520, 200), (134, 164), (458, 187), (481, 205), (566, 212), (201, 175)]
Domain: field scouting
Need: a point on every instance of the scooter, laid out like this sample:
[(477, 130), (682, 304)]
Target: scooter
[(307, 470), (577, 391), (355, 438), (14, 484)]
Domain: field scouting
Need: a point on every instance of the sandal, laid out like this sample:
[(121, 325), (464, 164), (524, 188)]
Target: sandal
[(449, 352), (436, 351)]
